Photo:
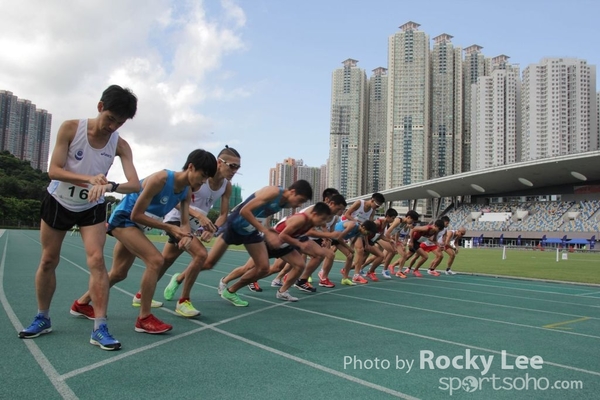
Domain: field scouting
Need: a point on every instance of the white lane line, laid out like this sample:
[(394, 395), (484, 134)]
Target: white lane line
[(213, 327), (61, 387), (459, 282), (475, 302), (466, 316), (421, 336)]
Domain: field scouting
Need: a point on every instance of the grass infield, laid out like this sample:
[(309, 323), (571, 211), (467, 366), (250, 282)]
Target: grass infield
[(580, 267)]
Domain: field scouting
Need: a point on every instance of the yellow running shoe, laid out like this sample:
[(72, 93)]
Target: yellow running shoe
[(186, 309), (348, 282), (138, 302)]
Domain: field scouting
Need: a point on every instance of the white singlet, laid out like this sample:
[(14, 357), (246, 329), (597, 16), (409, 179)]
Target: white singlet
[(202, 201), (83, 159), (361, 215)]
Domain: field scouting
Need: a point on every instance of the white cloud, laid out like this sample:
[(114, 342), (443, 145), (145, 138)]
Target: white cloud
[(61, 56)]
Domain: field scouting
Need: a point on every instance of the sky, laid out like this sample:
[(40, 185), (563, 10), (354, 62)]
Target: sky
[(251, 74)]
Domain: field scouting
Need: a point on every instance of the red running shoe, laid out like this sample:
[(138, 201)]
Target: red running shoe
[(82, 310), (152, 325), (326, 283), (254, 287), (372, 276)]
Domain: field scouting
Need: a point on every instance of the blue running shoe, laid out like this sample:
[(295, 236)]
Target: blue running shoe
[(101, 337), (39, 326)]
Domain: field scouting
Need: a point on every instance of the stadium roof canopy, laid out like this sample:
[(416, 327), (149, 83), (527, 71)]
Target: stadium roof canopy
[(541, 176)]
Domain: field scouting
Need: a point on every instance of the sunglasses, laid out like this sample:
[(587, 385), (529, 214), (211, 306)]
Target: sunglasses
[(233, 166)]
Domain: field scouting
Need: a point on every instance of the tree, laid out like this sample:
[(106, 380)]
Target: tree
[(22, 189), (213, 214)]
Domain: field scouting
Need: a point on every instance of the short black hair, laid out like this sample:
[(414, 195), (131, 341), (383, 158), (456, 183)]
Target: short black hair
[(445, 218), (391, 213), (378, 197), (338, 199), (202, 160), (321, 208), (439, 224), (230, 151), (302, 188), (120, 101), (327, 193), (370, 226), (413, 215)]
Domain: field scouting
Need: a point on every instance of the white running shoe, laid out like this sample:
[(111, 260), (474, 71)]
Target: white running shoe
[(450, 272), (222, 286), (276, 283), (386, 274), (286, 296)]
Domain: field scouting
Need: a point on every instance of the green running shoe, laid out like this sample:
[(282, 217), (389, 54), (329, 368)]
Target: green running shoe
[(172, 287), (233, 298)]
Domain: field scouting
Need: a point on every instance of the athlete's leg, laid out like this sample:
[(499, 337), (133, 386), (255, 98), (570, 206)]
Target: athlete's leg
[(258, 253), (45, 276), (122, 261), (94, 237), (238, 272)]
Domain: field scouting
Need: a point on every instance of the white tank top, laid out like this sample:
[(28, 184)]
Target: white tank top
[(440, 236), (361, 215), (83, 159), (202, 199)]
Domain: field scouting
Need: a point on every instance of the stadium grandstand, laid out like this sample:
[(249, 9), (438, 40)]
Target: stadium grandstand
[(553, 201)]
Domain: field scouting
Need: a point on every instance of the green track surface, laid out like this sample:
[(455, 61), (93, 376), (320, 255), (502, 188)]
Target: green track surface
[(324, 346)]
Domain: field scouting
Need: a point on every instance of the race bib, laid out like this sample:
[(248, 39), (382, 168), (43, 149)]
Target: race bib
[(250, 228), (149, 228), (195, 222), (72, 194)]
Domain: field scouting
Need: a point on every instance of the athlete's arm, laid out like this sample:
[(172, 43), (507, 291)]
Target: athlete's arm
[(353, 208), (66, 134), (184, 209), (152, 186), (447, 238), (391, 228), (292, 224), (224, 205), (261, 197), (133, 183), (322, 234)]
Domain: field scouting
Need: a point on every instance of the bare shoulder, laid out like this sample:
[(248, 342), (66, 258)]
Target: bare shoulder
[(123, 147), (267, 193), (158, 178), (68, 128)]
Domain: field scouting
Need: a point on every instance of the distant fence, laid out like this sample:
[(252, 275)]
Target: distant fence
[(15, 224)]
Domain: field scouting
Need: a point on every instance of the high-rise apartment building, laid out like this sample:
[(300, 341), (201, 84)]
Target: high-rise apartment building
[(377, 133), (598, 119), (24, 130), (474, 66), (559, 108), (313, 176), (495, 116), (324, 179), (407, 149), (446, 111), (348, 129), (284, 173), (291, 170)]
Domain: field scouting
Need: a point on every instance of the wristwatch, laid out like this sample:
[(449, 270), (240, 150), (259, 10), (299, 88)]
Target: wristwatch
[(114, 186)]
